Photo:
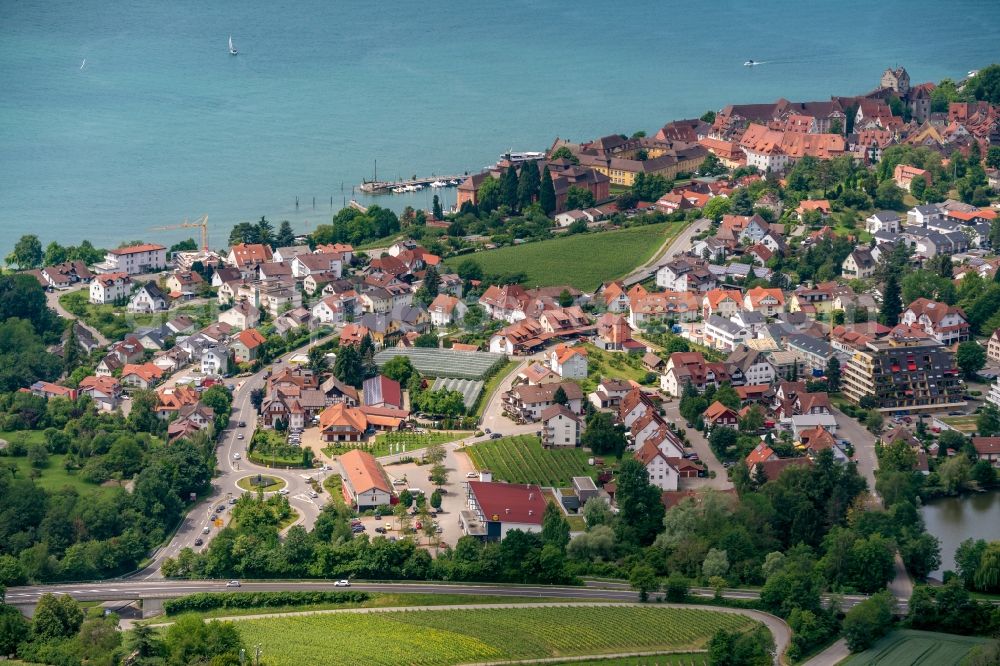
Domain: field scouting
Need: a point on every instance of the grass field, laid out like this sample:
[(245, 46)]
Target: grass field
[(521, 459), (453, 637), (964, 424), (272, 483), (583, 260), (612, 365), (491, 386), (907, 647), (54, 476)]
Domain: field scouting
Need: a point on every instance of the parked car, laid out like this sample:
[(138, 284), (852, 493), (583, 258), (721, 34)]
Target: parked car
[(380, 530), (342, 583), (313, 494), (399, 482), (419, 525), (471, 475), (232, 500), (487, 431), (496, 435), (378, 516), (233, 583)]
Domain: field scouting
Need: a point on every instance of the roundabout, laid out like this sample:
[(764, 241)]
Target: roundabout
[(262, 482)]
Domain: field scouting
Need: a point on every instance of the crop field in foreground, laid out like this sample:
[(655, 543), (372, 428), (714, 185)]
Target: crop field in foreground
[(442, 637), (583, 260), (910, 648)]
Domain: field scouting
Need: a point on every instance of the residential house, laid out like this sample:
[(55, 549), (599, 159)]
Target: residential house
[(133, 260), (225, 274), (184, 285), (246, 345), (993, 346), (921, 216), (147, 298), (337, 391), (110, 287), (568, 362), (662, 306), (718, 415), (287, 254), (215, 360), (821, 206), (66, 274), (560, 427), (170, 400), (988, 449), (904, 175), (662, 471), (318, 263), (885, 220), (564, 321), (859, 264), (104, 391), (691, 368), (615, 296), (49, 390), (724, 334), (274, 270), (248, 256), (722, 302), (761, 453), (609, 393), (330, 310), (446, 310), (634, 406), (653, 362), (615, 334), (365, 484), (757, 369), (241, 316), (507, 302), (813, 353), (945, 323), (142, 376), (528, 402), (768, 302), (685, 274), (520, 338)]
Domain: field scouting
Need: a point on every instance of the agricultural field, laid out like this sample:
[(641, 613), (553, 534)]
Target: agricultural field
[(453, 637), (574, 259), (444, 362), (521, 459), (907, 647)]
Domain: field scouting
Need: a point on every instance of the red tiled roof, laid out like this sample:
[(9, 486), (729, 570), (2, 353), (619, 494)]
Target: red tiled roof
[(509, 502)]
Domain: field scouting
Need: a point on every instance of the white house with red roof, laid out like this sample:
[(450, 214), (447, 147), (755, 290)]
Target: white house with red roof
[(110, 287), (663, 472), (560, 427), (446, 310), (945, 323), (507, 302), (143, 258), (494, 509), (365, 484), (247, 345), (568, 362)]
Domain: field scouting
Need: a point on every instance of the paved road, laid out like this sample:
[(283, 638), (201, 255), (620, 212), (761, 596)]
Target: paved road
[(704, 451), (679, 244), (901, 585), (230, 471), (831, 656), (52, 299)]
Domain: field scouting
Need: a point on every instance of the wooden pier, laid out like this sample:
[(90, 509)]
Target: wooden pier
[(411, 185)]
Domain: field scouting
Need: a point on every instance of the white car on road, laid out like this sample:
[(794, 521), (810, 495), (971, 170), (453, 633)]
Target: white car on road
[(342, 583), (236, 456)]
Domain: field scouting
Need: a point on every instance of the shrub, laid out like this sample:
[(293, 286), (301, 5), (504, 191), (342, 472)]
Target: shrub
[(205, 601)]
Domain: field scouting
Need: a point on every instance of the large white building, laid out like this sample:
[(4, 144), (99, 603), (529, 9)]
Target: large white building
[(365, 484), (145, 258)]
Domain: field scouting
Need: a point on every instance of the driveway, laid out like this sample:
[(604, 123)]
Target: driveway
[(700, 445)]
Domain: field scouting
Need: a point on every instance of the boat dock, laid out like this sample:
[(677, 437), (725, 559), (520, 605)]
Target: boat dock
[(410, 185)]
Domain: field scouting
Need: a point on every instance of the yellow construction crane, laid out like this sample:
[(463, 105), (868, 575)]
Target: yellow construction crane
[(201, 223)]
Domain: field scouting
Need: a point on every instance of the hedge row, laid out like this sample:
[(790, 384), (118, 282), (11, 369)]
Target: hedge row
[(205, 601)]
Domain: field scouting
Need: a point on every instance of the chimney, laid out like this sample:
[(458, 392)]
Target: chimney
[(531, 512), (531, 496), (508, 511)]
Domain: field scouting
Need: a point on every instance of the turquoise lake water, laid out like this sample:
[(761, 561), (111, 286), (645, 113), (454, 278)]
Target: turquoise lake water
[(161, 123)]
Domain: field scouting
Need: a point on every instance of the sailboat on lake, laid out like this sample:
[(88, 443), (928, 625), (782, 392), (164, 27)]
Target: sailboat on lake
[(232, 49)]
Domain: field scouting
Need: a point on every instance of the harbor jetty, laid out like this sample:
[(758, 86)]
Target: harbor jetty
[(410, 185)]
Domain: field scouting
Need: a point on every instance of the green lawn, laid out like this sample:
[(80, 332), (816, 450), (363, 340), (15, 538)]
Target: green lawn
[(491, 386), (271, 483), (583, 260), (681, 659), (907, 647), (964, 424), (521, 459), (453, 637), (54, 476), (612, 365), (388, 443)]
